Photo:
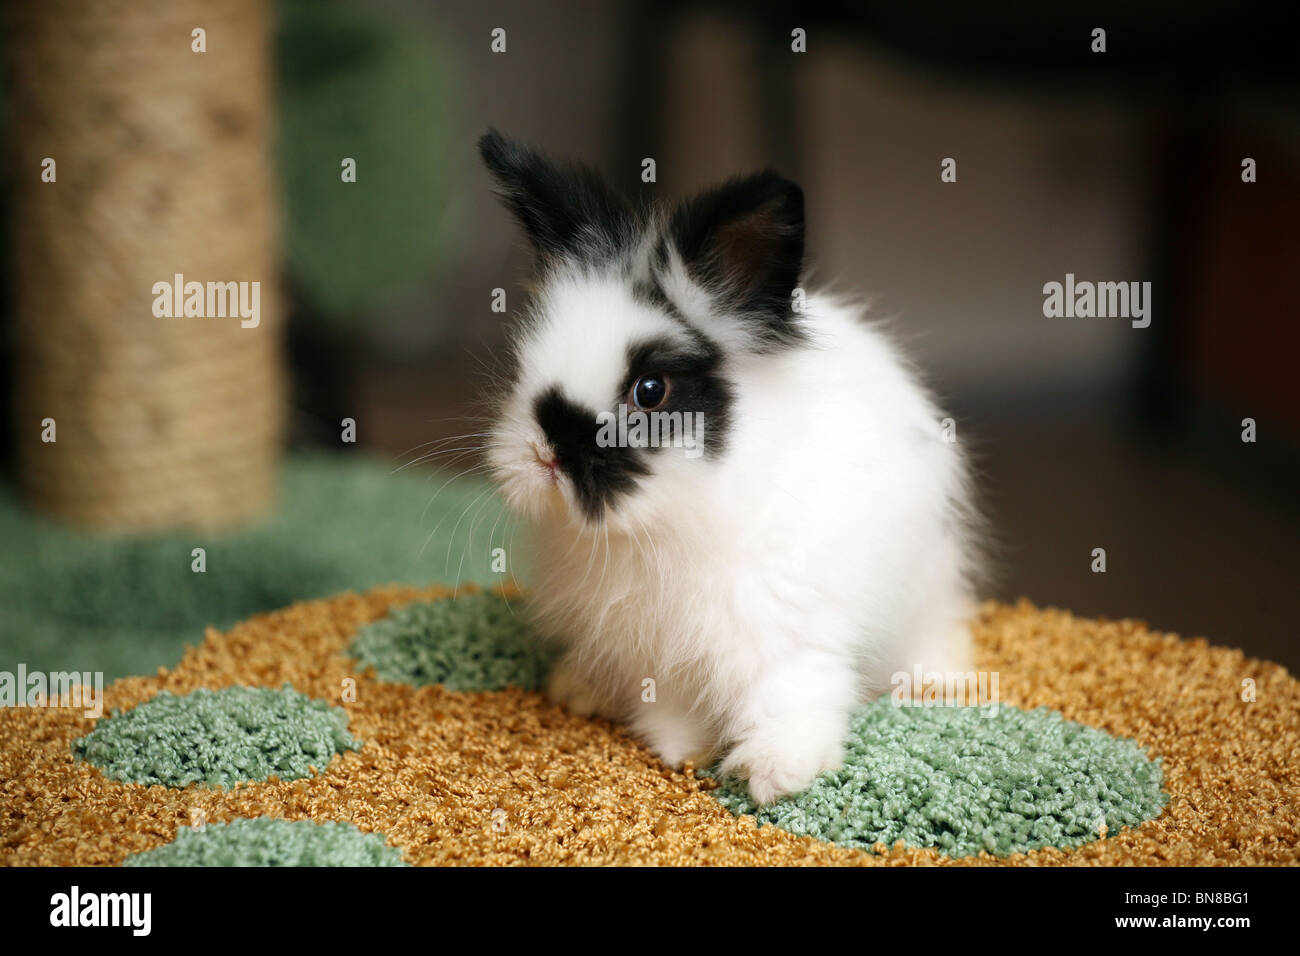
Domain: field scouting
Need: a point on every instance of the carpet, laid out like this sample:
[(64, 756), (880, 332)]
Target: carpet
[(127, 604), (401, 726)]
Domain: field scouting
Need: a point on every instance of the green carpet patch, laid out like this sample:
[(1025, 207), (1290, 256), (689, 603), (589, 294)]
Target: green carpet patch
[(267, 841), (218, 738), (468, 643), (128, 604), (966, 779)]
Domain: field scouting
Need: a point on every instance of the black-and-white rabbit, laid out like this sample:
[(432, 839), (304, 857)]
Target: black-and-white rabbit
[(738, 590)]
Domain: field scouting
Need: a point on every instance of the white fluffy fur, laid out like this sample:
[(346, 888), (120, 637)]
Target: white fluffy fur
[(770, 591)]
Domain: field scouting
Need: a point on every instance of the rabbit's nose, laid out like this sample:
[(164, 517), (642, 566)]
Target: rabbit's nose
[(547, 460)]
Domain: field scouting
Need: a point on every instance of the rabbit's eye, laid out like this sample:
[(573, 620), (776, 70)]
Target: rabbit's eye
[(649, 391)]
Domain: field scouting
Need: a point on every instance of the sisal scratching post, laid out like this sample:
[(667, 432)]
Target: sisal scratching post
[(161, 167)]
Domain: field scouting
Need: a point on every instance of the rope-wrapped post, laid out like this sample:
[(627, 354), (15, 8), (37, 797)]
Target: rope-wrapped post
[(142, 167)]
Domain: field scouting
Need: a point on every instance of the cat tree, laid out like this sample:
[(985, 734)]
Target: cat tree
[(140, 138)]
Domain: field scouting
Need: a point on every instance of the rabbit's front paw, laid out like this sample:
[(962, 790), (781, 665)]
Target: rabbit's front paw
[(570, 689), (675, 738), (788, 760)]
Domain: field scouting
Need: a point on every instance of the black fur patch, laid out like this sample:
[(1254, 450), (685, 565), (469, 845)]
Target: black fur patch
[(744, 242), (650, 292), (566, 210), (599, 475), (697, 384)]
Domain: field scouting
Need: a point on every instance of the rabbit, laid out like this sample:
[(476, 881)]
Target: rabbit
[(736, 592)]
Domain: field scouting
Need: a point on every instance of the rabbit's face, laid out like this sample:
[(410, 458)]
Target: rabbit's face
[(621, 385), (609, 388)]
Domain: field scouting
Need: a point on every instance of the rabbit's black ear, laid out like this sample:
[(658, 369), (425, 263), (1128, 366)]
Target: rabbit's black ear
[(743, 241), (565, 210)]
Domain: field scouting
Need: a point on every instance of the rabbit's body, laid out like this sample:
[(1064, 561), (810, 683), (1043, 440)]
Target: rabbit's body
[(738, 603)]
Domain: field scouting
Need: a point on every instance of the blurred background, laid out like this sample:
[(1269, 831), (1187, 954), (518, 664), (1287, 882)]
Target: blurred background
[(225, 164)]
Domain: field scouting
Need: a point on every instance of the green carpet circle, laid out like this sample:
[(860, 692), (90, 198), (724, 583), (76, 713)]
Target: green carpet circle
[(472, 642), (218, 738), (966, 779), (268, 841)]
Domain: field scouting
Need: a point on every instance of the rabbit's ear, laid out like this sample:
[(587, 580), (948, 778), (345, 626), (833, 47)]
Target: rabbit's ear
[(565, 210), (743, 241)]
